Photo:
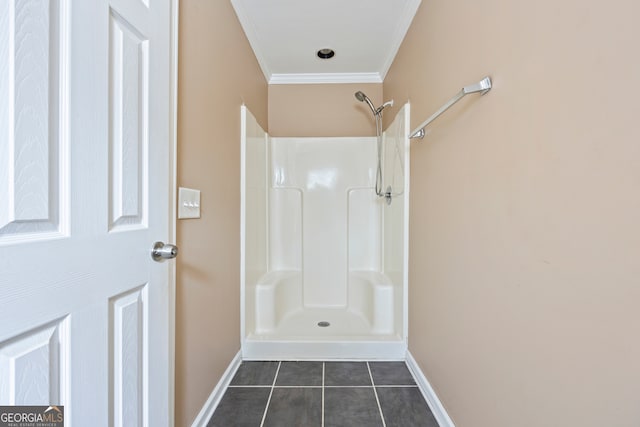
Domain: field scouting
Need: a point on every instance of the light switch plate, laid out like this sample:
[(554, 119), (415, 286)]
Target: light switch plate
[(188, 203)]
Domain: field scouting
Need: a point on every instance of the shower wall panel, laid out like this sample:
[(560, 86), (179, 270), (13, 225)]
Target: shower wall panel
[(323, 206), (365, 215), (255, 231), (395, 222), (255, 199), (285, 225)]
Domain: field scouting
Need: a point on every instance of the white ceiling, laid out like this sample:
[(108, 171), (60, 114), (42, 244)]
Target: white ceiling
[(285, 35)]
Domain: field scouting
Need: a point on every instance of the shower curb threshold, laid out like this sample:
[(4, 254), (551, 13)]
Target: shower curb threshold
[(323, 350)]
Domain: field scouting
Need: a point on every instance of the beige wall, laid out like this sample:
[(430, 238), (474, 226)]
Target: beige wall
[(322, 110), (525, 210), (217, 71)]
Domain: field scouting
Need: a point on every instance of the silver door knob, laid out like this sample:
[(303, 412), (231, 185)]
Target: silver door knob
[(162, 251)]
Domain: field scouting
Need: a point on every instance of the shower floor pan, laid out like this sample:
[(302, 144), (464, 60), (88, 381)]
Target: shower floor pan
[(323, 323), (321, 334), (285, 329)]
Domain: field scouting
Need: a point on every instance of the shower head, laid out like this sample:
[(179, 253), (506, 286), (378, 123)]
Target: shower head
[(364, 98), (360, 96)]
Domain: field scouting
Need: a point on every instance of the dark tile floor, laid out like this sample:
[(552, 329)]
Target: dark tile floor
[(322, 394)]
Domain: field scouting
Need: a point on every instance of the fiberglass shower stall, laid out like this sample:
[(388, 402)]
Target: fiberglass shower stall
[(324, 260)]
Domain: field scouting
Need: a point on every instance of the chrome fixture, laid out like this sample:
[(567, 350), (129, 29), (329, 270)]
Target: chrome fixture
[(377, 114), (388, 195), (483, 86), (162, 251), (360, 96)]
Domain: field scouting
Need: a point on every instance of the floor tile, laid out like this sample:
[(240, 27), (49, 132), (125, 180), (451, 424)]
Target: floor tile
[(255, 373), (350, 407), (405, 406), (297, 398), (346, 374), (241, 407), (295, 407), (300, 374), (391, 373)]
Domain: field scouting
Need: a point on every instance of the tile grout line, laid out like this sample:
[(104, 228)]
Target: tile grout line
[(326, 386), (375, 393), (322, 425), (264, 415), (362, 386), (298, 386), (251, 386), (396, 386)]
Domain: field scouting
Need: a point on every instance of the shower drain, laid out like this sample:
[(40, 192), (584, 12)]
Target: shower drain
[(324, 324)]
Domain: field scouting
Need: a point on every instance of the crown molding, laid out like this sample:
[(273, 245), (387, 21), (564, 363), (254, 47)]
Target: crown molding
[(321, 78)]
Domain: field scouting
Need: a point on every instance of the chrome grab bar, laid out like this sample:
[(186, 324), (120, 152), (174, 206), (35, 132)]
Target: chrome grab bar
[(482, 86)]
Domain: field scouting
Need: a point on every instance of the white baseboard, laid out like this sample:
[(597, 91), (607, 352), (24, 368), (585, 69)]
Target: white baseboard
[(216, 395), (430, 396)]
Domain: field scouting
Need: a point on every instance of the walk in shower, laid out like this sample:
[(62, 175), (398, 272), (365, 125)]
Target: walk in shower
[(324, 259)]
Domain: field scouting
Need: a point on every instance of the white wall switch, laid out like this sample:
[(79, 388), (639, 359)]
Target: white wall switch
[(188, 203)]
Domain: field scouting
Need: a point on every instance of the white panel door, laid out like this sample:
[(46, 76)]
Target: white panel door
[(84, 194)]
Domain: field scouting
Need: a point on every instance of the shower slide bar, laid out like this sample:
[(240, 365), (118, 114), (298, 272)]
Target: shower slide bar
[(483, 86)]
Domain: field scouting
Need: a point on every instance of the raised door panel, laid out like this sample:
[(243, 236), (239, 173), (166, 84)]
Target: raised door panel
[(128, 323), (33, 366), (129, 118), (33, 120)]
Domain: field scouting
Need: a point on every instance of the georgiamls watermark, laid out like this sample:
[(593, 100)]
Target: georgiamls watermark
[(32, 416)]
